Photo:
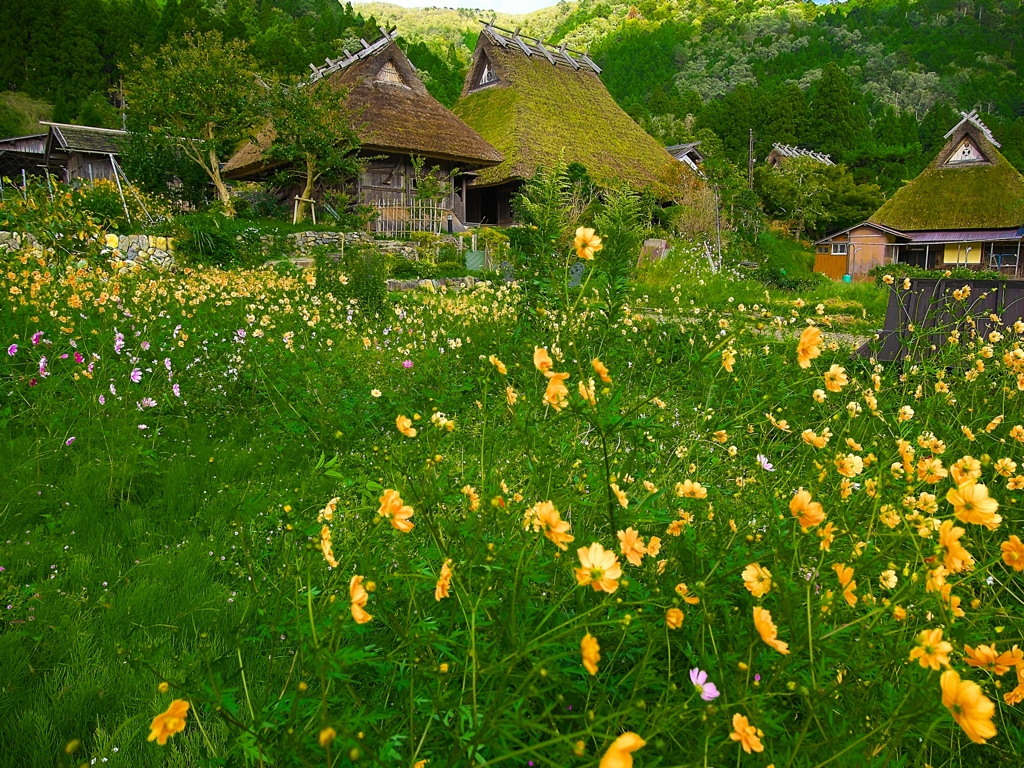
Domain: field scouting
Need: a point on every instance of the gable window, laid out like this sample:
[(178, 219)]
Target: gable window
[(839, 249), (487, 75), (389, 74)]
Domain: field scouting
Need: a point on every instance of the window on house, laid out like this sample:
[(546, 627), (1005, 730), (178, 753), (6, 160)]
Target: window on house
[(487, 76), (839, 249), (389, 74)]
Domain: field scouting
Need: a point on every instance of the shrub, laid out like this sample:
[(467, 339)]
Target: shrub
[(901, 271)]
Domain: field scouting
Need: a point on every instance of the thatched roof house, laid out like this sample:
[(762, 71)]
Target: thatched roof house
[(536, 103), (782, 152), (396, 118), (965, 209), (82, 151)]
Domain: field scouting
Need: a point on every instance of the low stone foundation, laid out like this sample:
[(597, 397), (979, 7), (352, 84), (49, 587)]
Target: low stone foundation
[(139, 249)]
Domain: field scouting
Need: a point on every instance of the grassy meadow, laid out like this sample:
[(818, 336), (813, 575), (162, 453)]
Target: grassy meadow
[(505, 527)]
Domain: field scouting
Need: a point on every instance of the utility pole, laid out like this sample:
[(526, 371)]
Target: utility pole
[(750, 161)]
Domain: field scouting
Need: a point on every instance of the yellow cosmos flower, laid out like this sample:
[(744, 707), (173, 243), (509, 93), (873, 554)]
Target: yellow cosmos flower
[(600, 568), (591, 652), (808, 347), (601, 370), (392, 507), (971, 504), (747, 735), (358, 597), (168, 723), (631, 545), (836, 378), (808, 513), (971, 709), (931, 651), (325, 547), (620, 753), (1013, 552), (674, 618), (691, 490), (620, 495), (498, 364), (586, 243), (542, 360), (757, 580), (404, 424), (768, 631), (557, 394), (444, 582)]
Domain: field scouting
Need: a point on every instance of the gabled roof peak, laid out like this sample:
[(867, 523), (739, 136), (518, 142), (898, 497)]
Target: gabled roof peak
[(534, 46), (972, 119), (348, 59), (785, 150)]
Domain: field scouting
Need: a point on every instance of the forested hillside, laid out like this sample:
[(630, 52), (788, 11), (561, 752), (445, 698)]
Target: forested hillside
[(874, 83)]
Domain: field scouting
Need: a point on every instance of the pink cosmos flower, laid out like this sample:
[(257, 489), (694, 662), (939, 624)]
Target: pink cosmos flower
[(42, 368), (407, 363), (766, 465), (103, 400), (707, 690), (37, 337), (113, 389), (143, 426), (12, 350), (177, 390), (145, 346), (69, 441), (118, 342), (78, 358), (136, 375)]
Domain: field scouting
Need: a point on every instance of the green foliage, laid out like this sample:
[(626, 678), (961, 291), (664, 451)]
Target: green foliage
[(900, 271), (365, 273), (201, 97), (211, 238), (623, 223)]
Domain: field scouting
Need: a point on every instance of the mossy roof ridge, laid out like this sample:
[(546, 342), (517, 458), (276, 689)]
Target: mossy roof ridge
[(944, 197), (537, 111), (391, 117)]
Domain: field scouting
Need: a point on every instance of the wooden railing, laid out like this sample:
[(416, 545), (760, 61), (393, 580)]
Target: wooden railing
[(396, 218)]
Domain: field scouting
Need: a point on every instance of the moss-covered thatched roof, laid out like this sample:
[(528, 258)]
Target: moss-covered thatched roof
[(393, 113), (983, 194), (549, 103)]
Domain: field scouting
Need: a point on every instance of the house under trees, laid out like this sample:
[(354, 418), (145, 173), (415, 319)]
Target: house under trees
[(539, 105), (396, 120), (966, 209)]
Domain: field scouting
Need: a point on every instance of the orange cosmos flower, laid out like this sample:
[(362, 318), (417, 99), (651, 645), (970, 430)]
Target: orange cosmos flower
[(728, 359), (654, 546), (391, 507), (757, 580), (808, 513), (684, 592), (444, 582), (601, 370), (358, 595), (768, 631), (404, 424), (931, 651), (971, 709), (325, 547), (845, 574), (493, 360), (542, 360), (957, 558), (591, 653), (474, 498), (620, 495), (836, 378), (631, 545), (987, 657), (1016, 696), (168, 723), (511, 396), (966, 470), (931, 470), (619, 754), (971, 504), (1013, 553), (545, 517), (586, 243), (674, 618), (600, 568), (807, 348), (747, 735), (691, 490), (557, 394)]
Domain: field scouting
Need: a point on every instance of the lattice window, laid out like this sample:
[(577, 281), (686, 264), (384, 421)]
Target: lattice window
[(487, 76), (390, 74)]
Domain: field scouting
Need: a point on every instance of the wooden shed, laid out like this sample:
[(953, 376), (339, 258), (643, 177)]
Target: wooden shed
[(81, 151)]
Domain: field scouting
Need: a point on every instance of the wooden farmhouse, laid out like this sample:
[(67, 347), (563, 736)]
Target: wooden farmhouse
[(538, 104), (687, 154), (23, 154), (396, 119), (782, 152), (966, 209)]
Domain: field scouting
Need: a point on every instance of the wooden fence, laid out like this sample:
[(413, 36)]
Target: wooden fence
[(929, 304), (832, 266), (397, 218)]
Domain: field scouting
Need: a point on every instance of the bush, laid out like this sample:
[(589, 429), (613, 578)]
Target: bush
[(366, 271), (777, 277), (210, 237), (901, 271), (405, 269), (451, 269)]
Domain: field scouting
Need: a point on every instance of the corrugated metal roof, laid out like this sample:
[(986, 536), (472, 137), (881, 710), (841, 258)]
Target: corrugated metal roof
[(963, 236)]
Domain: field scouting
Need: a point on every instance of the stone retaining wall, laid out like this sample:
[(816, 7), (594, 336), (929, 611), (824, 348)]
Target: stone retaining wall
[(139, 249), (302, 244), (13, 241)]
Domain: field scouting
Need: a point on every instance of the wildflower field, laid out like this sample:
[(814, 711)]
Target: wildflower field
[(249, 518)]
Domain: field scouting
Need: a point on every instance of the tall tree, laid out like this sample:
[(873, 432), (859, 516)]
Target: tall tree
[(200, 95), (836, 121)]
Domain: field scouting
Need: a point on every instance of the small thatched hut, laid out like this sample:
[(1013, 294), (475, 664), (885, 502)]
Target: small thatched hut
[(396, 118), (536, 104), (965, 209), (82, 151)]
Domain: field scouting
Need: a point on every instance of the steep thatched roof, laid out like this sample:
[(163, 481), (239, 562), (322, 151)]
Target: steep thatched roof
[(969, 185), (83, 138), (533, 103), (393, 112)]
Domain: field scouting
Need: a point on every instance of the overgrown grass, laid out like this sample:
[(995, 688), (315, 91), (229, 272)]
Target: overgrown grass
[(193, 446)]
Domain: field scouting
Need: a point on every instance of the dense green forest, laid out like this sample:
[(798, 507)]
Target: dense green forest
[(874, 83)]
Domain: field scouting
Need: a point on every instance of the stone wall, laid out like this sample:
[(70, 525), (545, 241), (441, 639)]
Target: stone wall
[(140, 249), (302, 244), (13, 241)]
